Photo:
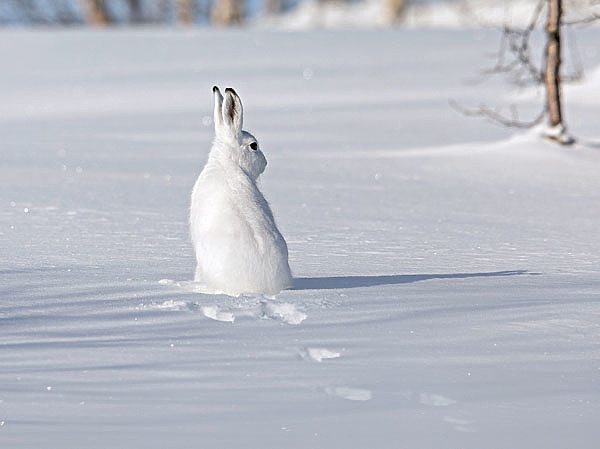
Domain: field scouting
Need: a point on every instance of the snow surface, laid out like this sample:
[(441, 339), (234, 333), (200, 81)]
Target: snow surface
[(453, 268)]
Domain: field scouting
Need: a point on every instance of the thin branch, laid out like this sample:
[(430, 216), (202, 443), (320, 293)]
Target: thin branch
[(536, 15), (585, 21), (514, 54), (487, 112)]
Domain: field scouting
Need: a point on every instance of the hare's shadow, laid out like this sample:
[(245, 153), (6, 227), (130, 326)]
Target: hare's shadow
[(593, 144), (335, 282)]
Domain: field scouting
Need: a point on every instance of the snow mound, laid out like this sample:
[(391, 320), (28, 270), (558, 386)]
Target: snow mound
[(351, 394), (170, 304), (435, 400), (319, 354), (460, 424), (284, 311), (214, 313), (230, 308), (314, 14)]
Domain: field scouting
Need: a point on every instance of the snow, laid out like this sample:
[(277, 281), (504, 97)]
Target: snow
[(214, 313), (435, 400), (451, 264), (351, 394), (423, 14), (319, 354), (580, 93)]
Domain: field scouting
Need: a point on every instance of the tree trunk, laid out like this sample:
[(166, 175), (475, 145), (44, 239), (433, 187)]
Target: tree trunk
[(552, 73), (396, 9), (135, 7), (557, 130), (227, 12), (98, 14), (184, 11), (164, 11), (273, 7)]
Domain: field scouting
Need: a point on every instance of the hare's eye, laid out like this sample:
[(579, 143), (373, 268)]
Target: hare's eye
[(254, 146)]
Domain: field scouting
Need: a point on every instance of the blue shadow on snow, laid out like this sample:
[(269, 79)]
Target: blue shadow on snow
[(334, 282)]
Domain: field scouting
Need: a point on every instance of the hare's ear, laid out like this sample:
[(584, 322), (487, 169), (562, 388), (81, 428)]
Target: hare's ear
[(218, 115), (232, 111)]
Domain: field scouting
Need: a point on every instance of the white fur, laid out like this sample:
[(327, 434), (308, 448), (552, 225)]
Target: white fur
[(238, 246)]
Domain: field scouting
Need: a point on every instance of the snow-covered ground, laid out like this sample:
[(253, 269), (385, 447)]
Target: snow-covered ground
[(448, 272)]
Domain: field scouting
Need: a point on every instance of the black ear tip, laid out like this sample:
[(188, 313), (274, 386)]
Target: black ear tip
[(230, 90), (215, 89)]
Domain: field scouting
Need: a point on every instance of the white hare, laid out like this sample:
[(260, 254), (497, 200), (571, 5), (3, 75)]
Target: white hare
[(238, 246)]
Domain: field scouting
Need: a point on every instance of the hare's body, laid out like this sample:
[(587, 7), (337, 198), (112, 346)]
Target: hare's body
[(238, 246)]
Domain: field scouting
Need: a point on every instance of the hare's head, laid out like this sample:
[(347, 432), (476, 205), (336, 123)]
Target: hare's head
[(237, 145)]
